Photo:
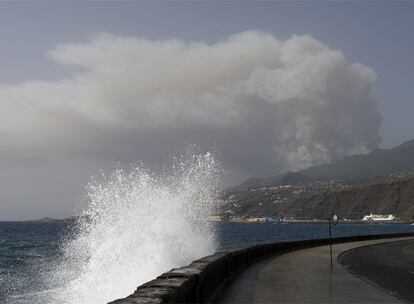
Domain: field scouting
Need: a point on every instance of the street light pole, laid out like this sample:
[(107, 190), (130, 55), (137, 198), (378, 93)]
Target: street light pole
[(332, 221)]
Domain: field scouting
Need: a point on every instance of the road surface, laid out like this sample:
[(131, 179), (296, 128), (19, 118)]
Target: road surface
[(304, 276), (390, 266)]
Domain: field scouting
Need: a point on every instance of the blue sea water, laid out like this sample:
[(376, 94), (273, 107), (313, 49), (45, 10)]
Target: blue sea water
[(27, 249), (235, 235)]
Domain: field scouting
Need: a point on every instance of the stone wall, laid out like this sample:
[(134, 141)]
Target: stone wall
[(202, 280)]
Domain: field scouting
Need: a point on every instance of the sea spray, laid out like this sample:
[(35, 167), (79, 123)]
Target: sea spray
[(137, 225)]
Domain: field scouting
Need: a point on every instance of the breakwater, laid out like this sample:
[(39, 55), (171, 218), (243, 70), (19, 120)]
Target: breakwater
[(203, 279)]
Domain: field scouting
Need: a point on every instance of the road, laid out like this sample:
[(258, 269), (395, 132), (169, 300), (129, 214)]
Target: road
[(304, 276), (390, 266)]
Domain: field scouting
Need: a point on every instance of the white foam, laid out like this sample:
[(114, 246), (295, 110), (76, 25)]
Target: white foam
[(138, 225)]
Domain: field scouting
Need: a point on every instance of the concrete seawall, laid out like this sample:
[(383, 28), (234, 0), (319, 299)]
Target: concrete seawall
[(203, 279)]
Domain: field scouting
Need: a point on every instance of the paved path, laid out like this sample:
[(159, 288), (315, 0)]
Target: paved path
[(390, 266), (304, 276)]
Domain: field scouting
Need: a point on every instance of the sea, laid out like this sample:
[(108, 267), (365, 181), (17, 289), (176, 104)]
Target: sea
[(135, 224), (31, 252)]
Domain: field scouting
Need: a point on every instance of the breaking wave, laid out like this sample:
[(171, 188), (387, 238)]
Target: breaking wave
[(137, 225)]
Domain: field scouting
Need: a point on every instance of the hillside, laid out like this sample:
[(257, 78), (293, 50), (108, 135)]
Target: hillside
[(362, 167), (379, 182), (379, 163), (388, 197), (288, 177), (318, 200)]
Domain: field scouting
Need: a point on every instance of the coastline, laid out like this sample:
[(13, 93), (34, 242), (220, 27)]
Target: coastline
[(247, 221)]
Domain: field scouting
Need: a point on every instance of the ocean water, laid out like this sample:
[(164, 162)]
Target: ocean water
[(28, 251), (31, 251), (136, 224), (236, 235)]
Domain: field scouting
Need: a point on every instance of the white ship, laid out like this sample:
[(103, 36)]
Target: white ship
[(378, 217)]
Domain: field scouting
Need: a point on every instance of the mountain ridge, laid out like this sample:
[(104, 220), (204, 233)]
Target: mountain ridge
[(359, 167)]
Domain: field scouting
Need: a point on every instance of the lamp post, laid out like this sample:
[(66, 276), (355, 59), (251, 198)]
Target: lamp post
[(333, 220)]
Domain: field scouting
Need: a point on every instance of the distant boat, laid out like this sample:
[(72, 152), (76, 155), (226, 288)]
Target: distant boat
[(378, 217)]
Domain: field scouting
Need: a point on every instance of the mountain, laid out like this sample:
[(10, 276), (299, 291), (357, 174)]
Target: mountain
[(386, 197), (251, 182), (377, 164), (319, 200), (293, 178), (380, 182), (288, 177)]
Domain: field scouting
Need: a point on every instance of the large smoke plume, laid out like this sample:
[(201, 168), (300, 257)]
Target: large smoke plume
[(266, 105)]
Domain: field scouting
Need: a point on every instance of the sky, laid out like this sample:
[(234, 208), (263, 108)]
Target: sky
[(270, 86)]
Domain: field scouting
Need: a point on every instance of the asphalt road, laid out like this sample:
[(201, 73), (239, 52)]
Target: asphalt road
[(389, 266), (304, 276)]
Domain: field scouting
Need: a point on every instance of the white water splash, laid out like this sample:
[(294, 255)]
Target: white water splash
[(138, 225)]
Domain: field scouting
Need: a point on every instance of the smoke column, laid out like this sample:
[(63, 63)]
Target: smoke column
[(267, 104)]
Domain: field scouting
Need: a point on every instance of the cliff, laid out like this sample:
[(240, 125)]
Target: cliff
[(386, 197)]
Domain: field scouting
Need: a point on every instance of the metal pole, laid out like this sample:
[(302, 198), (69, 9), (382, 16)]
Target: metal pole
[(330, 241)]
